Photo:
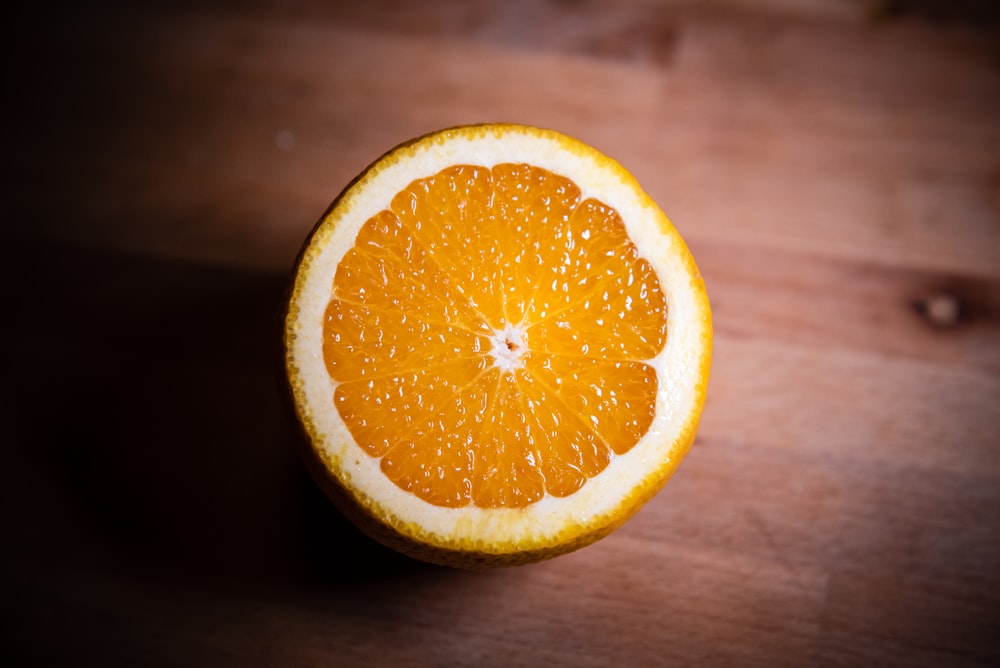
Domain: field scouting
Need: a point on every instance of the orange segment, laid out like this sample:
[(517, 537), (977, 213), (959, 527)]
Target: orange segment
[(615, 400), (570, 450), (382, 411), (448, 215), (598, 297), (388, 269), (530, 206), (364, 340), (506, 472)]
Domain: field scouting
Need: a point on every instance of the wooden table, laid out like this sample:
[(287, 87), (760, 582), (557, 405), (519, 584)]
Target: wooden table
[(835, 167)]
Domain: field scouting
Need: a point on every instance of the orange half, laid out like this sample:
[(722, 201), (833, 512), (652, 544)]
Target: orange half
[(498, 346)]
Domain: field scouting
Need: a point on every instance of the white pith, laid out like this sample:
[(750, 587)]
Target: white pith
[(507, 348), (676, 365)]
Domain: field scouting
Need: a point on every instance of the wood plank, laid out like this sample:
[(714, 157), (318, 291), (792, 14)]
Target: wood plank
[(833, 168), (738, 552), (861, 165), (861, 407), (833, 304), (919, 623), (819, 513)]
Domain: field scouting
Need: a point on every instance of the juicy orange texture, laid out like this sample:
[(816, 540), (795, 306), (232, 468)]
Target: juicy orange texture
[(488, 335)]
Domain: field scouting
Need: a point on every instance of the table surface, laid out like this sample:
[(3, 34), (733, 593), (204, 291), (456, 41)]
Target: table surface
[(834, 166)]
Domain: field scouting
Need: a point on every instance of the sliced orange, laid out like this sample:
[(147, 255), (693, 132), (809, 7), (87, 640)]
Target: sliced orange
[(498, 346)]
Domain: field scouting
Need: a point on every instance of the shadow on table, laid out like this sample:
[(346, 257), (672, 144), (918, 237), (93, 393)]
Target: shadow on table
[(150, 428)]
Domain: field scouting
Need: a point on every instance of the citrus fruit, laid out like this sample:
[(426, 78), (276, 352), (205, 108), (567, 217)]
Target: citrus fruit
[(498, 346)]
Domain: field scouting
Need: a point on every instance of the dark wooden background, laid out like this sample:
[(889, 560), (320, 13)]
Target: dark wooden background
[(834, 165)]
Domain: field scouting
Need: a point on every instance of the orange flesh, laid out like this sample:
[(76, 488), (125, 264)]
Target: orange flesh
[(488, 335)]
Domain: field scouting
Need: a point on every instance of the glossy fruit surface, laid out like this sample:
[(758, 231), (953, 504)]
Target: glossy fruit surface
[(498, 346)]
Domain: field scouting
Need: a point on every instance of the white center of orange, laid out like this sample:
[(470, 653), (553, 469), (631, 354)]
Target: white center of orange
[(507, 347)]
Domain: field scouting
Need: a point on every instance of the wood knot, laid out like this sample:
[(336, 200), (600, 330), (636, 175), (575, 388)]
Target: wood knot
[(940, 309)]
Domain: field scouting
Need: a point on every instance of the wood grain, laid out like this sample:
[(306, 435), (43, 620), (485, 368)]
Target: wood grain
[(833, 165)]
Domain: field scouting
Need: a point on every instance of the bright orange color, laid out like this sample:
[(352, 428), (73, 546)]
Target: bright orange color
[(497, 345), (489, 334)]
